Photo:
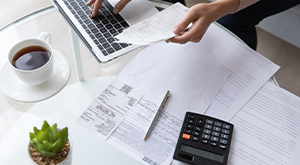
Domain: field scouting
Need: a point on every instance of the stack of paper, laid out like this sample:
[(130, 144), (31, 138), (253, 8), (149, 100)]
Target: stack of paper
[(196, 75)]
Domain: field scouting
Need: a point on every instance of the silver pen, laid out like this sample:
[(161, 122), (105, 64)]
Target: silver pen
[(162, 104)]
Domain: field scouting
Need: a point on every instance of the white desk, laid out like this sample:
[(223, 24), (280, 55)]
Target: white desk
[(17, 119)]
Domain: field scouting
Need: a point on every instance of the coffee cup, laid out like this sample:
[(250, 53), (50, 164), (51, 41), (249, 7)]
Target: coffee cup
[(32, 59)]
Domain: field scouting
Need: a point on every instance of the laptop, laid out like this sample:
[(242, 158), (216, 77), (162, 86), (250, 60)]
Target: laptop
[(98, 33)]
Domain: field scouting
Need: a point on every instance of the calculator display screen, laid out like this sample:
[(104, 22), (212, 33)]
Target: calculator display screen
[(202, 153)]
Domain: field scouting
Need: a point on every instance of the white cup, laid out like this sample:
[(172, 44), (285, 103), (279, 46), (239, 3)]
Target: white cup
[(41, 74)]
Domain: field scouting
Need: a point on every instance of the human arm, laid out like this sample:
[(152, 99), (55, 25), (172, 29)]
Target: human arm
[(202, 15), (96, 4)]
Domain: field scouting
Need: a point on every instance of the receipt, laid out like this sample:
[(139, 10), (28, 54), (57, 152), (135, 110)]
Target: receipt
[(154, 29), (109, 108)]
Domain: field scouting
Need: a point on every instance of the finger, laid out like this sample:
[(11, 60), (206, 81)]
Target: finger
[(120, 5), (178, 39), (194, 34), (184, 37), (90, 2), (183, 24), (96, 7), (187, 37)]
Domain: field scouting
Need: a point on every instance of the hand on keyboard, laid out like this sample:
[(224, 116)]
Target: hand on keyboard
[(96, 4)]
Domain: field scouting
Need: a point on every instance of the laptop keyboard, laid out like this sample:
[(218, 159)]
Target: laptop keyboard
[(102, 28)]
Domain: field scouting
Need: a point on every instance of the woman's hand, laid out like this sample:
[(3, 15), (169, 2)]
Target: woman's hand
[(96, 4), (201, 16)]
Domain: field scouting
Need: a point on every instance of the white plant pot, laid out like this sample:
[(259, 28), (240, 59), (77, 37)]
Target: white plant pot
[(66, 161)]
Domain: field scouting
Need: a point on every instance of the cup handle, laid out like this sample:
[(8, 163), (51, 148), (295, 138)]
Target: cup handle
[(46, 37)]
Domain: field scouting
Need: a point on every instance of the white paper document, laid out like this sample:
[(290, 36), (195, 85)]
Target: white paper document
[(156, 28), (193, 80), (192, 77), (266, 130), (109, 109), (248, 70)]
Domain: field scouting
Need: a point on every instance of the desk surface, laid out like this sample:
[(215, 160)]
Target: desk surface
[(17, 119)]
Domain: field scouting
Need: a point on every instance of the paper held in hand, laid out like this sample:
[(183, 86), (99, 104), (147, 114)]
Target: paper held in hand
[(156, 28)]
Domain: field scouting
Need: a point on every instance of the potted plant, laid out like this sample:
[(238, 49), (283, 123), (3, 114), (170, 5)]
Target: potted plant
[(50, 145)]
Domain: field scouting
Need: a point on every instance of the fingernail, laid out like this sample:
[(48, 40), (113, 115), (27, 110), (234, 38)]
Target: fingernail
[(116, 11), (176, 30)]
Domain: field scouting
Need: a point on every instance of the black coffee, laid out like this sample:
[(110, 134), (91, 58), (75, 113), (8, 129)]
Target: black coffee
[(31, 58)]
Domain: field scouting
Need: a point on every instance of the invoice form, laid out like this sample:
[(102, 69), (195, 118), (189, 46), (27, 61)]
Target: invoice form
[(108, 110)]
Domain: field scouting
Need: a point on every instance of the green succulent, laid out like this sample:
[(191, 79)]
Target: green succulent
[(48, 141)]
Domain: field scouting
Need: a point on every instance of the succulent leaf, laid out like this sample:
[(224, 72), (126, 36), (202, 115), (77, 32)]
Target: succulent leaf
[(56, 146), (47, 154), (53, 131), (41, 136), (37, 145), (63, 135), (45, 126), (47, 145), (35, 130), (31, 135)]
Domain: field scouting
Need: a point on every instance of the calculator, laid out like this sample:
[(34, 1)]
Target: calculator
[(203, 140)]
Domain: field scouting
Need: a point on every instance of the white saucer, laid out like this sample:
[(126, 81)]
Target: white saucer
[(14, 88)]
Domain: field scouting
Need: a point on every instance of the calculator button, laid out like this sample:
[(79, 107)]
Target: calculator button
[(208, 121), (214, 139), (218, 124), (190, 121), (199, 122), (215, 133), (188, 131), (195, 138), (213, 144), (190, 116), (206, 131), (226, 126), (186, 136), (189, 126), (208, 126), (222, 146), (205, 141), (217, 129), (205, 136), (226, 131), (223, 141), (197, 128), (224, 136), (196, 133)]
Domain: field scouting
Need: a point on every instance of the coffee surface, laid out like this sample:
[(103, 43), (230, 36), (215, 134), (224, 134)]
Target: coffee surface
[(30, 58)]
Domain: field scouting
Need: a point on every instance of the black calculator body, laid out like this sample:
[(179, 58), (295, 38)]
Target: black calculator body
[(203, 140)]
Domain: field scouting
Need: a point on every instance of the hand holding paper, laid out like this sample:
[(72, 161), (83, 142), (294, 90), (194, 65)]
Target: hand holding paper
[(154, 29)]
